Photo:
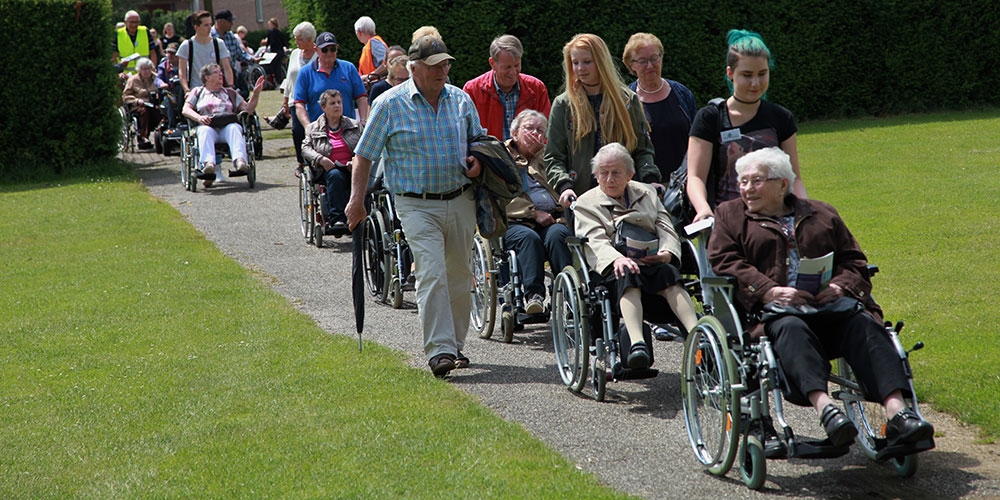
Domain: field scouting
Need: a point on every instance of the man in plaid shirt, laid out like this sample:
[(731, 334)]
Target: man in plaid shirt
[(239, 58), (424, 126)]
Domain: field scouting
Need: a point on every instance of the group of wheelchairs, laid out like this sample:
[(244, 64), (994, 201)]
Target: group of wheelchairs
[(176, 131), (731, 384)]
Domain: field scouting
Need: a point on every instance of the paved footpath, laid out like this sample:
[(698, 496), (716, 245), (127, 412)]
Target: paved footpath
[(635, 442)]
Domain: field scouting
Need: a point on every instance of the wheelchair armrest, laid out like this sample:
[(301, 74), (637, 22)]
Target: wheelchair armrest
[(872, 270), (720, 281)]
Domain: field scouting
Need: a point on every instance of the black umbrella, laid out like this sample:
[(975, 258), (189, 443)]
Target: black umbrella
[(358, 279)]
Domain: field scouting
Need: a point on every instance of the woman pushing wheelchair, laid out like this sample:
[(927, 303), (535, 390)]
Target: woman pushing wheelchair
[(761, 239)]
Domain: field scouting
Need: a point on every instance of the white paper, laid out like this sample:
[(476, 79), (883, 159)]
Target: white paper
[(636, 249), (696, 227), (267, 58), (814, 274)]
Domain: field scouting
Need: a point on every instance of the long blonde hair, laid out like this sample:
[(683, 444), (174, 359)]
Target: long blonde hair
[(615, 124)]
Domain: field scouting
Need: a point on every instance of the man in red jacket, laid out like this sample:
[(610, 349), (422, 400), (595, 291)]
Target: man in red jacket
[(503, 92)]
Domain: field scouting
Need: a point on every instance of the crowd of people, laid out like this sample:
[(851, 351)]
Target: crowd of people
[(601, 150)]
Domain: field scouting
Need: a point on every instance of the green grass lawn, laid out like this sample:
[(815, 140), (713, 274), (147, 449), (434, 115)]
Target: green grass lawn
[(921, 195), (140, 362)]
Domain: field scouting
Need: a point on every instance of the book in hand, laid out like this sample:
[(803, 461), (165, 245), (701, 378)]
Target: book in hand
[(637, 249), (814, 274)]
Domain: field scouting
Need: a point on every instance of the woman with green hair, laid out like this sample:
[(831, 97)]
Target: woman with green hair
[(723, 132)]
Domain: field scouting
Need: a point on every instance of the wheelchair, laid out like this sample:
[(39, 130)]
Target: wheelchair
[(490, 264), (172, 126), (585, 327), (312, 197), (128, 140), (190, 151), (387, 257), (729, 381)]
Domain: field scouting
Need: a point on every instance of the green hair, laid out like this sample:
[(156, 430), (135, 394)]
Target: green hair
[(745, 43)]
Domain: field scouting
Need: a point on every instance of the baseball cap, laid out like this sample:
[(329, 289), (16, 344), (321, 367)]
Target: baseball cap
[(171, 47), (225, 14), (429, 50), (324, 39)]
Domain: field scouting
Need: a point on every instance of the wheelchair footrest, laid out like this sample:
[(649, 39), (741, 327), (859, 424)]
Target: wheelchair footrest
[(811, 448), (904, 449), (532, 319), (239, 173), (622, 373)]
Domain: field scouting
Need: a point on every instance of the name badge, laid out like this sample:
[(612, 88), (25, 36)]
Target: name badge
[(731, 135)]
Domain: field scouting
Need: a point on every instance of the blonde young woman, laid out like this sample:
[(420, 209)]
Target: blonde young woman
[(593, 89)]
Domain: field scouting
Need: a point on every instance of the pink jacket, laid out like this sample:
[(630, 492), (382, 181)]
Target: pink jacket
[(484, 94)]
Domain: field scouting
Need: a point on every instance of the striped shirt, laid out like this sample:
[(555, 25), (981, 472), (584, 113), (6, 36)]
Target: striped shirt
[(509, 100), (424, 150)]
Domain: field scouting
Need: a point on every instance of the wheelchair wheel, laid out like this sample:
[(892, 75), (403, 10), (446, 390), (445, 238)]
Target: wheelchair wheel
[(252, 147), (870, 420), (306, 208), (507, 325), (254, 136), (708, 374), (126, 142), (753, 465), (189, 158), (599, 372), (375, 272), (484, 289), (157, 142), (570, 329), (396, 293)]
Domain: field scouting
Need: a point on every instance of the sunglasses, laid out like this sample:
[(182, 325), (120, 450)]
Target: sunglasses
[(329, 49)]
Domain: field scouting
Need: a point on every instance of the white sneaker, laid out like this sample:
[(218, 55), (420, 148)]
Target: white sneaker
[(535, 304)]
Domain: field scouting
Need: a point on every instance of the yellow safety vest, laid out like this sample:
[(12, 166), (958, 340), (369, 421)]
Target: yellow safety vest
[(126, 48)]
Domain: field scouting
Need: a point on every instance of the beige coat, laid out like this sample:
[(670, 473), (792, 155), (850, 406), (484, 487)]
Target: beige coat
[(597, 214)]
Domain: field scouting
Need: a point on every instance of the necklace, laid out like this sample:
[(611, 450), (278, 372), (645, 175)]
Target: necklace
[(741, 101), (662, 83)]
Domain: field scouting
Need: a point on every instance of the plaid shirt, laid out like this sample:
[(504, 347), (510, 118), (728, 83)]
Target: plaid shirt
[(509, 100), (424, 150), (236, 51)]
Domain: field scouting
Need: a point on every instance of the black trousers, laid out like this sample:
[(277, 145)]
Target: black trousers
[(804, 347)]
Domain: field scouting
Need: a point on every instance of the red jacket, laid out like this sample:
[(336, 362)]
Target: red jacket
[(484, 94)]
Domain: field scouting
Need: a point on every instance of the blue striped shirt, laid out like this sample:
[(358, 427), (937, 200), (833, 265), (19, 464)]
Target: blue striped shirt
[(424, 150)]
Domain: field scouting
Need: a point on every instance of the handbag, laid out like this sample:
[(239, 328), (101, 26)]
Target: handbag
[(625, 231), (835, 311), (222, 119), (279, 120), (675, 198)]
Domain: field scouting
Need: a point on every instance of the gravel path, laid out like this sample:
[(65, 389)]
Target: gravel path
[(635, 442)]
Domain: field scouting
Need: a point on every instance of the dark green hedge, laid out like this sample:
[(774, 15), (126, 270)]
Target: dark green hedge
[(832, 60), (59, 94)]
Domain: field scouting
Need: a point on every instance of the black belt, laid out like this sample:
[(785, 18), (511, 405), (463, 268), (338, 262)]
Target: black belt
[(450, 195)]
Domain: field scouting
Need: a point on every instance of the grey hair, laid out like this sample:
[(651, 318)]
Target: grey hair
[(131, 13), (305, 29), (207, 70), (327, 95), (525, 115), (365, 24), (613, 152), (509, 43), (777, 162), (144, 62)]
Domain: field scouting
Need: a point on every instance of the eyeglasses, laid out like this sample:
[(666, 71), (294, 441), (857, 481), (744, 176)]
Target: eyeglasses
[(532, 129), (329, 49), (648, 60), (609, 174), (756, 180)]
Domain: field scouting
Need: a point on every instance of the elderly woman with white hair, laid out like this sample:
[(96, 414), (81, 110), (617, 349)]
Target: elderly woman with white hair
[(619, 205), (760, 239), (140, 95), (303, 55)]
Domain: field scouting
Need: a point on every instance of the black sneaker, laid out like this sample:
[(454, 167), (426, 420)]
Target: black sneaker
[(907, 427), (638, 358)]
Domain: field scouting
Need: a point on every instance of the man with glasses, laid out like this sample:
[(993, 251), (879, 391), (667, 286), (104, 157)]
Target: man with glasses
[(503, 92), (325, 73), (132, 39), (425, 125), (201, 50)]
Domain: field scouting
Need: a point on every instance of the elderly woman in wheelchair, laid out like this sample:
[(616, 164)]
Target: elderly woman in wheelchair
[(615, 217), (761, 240), (214, 108)]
